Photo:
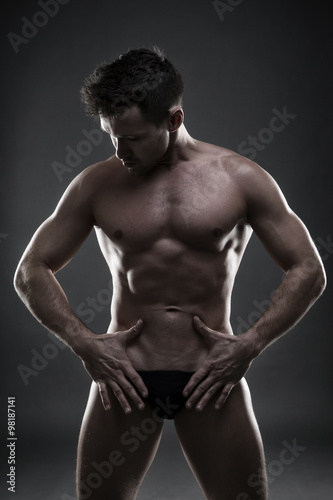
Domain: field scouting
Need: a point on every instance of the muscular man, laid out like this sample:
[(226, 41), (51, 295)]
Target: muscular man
[(172, 216)]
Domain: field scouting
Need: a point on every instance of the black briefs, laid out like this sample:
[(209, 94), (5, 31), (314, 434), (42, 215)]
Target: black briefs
[(165, 390)]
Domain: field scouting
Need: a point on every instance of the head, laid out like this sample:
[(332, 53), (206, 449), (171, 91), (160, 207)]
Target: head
[(142, 77), (138, 99), (139, 143)]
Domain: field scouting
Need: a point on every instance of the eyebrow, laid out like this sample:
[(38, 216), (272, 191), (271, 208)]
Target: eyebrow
[(120, 136), (129, 136)]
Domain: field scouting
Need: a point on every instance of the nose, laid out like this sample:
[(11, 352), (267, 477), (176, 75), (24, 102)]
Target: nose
[(122, 149)]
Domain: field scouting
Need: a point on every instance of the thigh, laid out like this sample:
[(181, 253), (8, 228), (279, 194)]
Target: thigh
[(224, 448), (115, 450)]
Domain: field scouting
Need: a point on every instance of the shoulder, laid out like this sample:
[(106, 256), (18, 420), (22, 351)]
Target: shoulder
[(88, 182), (99, 173), (244, 173), (80, 196), (247, 175), (248, 180)]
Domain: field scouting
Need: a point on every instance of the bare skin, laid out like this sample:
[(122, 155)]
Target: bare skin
[(173, 217)]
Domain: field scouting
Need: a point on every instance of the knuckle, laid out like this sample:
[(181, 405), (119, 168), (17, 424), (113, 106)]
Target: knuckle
[(209, 363), (128, 389), (206, 367), (118, 373), (134, 378), (125, 368)]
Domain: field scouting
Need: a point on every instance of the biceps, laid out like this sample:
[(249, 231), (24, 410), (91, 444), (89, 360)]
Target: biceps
[(56, 241), (282, 233), (285, 238)]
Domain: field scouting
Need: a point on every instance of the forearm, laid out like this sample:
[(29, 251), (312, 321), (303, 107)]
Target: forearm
[(300, 288), (43, 296)]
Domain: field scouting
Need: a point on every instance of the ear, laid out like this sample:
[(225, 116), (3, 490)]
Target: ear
[(176, 119)]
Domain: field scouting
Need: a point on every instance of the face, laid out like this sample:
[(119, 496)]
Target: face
[(139, 144)]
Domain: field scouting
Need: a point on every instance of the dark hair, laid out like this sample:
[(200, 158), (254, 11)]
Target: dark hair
[(139, 77)]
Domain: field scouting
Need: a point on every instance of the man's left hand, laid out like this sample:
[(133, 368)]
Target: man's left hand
[(228, 360)]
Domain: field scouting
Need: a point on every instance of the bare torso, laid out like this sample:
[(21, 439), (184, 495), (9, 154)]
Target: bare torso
[(173, 240)]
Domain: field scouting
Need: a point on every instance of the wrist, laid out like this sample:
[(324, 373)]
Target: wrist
[(80, 340), (253, 342)]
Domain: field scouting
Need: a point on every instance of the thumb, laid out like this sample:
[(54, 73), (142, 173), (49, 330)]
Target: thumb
[(202, 328), (135, 329), (125, 335)]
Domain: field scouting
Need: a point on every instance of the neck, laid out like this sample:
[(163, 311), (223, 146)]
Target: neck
[(181, 147)]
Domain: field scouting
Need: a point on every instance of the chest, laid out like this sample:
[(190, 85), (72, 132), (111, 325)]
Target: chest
[(201, 211)]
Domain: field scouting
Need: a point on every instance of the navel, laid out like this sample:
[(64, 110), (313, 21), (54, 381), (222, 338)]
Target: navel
[(217, 232), (118, 234)]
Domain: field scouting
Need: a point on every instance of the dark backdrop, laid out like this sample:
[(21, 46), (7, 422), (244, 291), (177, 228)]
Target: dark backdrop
[(243, 62)]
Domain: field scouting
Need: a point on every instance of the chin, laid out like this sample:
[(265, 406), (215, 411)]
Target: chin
[(138, 171), (142, 169)]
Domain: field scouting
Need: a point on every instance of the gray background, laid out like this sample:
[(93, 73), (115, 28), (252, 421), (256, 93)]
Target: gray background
[(262, 55)]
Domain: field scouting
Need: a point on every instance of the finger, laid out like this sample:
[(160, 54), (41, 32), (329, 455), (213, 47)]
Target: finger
[(201, 393), (131, 333), (103, 391), (224, 396), (137, 381), (135, 329), (210, 392), (202, 328), (196, 378), (119, 393), (124, 389)]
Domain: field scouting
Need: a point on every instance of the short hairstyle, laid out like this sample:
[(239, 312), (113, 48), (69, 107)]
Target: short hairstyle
[(140, 77)]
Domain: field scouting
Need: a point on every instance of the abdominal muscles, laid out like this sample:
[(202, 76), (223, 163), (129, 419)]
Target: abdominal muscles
[(167, 295), (168, 341)]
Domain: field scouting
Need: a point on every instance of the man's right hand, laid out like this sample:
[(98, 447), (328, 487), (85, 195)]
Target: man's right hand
[(105, 359)]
